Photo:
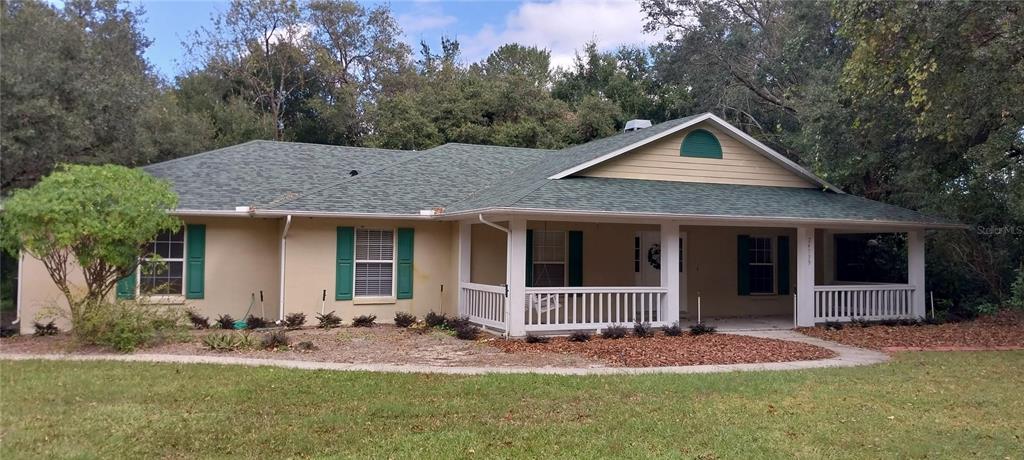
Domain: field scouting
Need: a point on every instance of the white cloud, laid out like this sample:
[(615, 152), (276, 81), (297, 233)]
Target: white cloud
[(425, 16), (562, 26)]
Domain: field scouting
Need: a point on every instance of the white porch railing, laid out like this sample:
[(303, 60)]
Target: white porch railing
[(869, 302), (484, 304), (554, 309)]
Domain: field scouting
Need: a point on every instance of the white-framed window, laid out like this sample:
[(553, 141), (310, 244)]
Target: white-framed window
[(761, 265), (549, 254), (375, 263), (162, 270)]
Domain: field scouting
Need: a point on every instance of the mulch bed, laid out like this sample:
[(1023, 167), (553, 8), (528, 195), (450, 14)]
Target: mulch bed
[(999, 332), (684, 350)]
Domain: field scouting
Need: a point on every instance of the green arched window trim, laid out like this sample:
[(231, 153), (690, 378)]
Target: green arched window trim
[(700, 143)]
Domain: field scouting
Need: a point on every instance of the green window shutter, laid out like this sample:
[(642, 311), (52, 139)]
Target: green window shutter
[(126, 286), (405, 250), (743, 264), (783, 265), (701, 144), (529, 258), (575, 258), (344, 269), (195, 257)]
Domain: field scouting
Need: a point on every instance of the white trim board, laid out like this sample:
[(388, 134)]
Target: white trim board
[(744, 138)]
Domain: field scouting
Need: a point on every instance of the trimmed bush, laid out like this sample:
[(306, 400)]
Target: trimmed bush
[(701, 329), (275, 340), (435, 319), (403, 319), (364, 320), (579, 336), (226, 322), (457, 322), (614, 332), (255, 322), (294, 320), (837, 326), (8, 331), (675, 330), (198, 321), (642, 330), (537, 339), (467, 331), (43, 330), (328, 320)]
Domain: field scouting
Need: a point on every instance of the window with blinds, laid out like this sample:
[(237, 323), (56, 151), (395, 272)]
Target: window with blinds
[(762, 266), (375, 262), (548, 258)]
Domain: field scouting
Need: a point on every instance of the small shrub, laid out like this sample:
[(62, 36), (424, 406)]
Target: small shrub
[(305, 346), (255, 322), (42, 330), (294, 320), (579, 336), (933, 321), (614, 332), (537, 339), (701, 329), (403, 319), (228, 341), (833, 326), (884, 322), (8, 331), (198, 321), (364, 321), (328, 320), (642, 330), (467, 331), (860, 322), (435, 319), (1017, 290), (275, 340), (127, 325), (675, 330), (226, 322), (457, 322), (909, 322)]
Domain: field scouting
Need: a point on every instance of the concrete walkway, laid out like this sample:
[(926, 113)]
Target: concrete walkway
[(848, 357)]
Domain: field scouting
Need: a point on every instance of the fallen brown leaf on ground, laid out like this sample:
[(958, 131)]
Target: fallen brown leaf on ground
[(1001, 331)]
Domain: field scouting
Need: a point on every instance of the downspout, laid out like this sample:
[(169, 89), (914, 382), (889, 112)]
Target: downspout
[(284, 245), (20, 294), (508, 266)]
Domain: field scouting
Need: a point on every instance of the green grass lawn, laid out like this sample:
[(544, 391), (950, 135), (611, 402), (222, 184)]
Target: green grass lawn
[(934, 405)]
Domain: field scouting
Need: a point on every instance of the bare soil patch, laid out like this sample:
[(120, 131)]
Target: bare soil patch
[(998, 332), (684, 350), (386, 344)]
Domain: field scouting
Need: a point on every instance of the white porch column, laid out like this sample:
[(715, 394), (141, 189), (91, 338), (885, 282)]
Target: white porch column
[(805, 276), (915, 271), (670, 271), (516, 277), (465, 259)]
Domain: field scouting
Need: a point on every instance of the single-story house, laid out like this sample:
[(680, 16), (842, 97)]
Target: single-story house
[(649, 225)]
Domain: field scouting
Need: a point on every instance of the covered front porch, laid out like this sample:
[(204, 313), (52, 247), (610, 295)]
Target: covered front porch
[(521, 275)]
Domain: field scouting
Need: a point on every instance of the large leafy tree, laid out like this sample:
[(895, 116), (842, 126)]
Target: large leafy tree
[(92, 218), (76, 88)]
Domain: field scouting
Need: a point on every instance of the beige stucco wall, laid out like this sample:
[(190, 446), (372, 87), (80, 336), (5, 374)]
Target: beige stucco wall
[(241, 258), (488, 254), (660, 160), (310, 268)]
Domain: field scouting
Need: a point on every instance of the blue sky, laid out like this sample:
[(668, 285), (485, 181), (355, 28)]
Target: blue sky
[(562, 26)]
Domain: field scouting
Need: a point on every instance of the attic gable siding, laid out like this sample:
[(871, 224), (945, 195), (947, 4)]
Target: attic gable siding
[(660, 160)]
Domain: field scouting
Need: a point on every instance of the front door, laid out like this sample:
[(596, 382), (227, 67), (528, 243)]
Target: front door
[(647, 263)]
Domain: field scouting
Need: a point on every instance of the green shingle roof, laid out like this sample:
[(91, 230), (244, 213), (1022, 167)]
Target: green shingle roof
[(283, 177)]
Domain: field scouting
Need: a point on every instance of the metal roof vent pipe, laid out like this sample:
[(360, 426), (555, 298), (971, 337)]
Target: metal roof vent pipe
[(636, 125)]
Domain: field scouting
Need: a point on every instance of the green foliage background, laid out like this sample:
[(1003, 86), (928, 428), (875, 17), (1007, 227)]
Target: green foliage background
[(916, 103)]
